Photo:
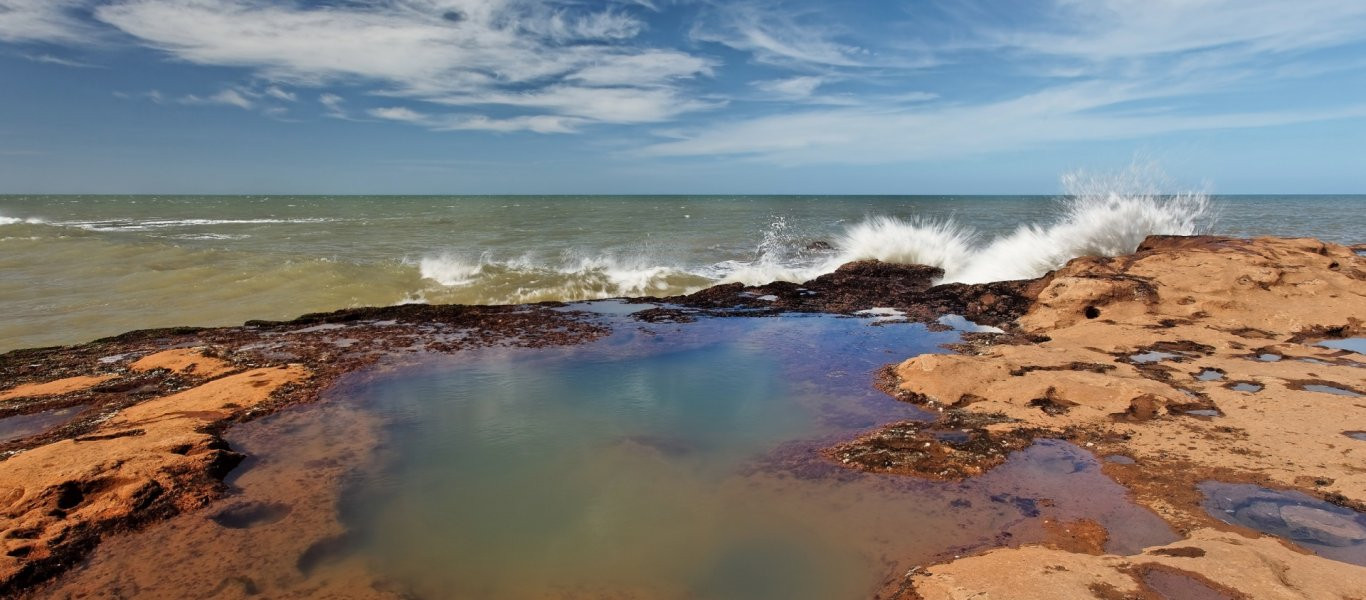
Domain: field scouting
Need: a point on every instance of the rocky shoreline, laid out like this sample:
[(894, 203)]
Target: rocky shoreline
[(1147, 359)]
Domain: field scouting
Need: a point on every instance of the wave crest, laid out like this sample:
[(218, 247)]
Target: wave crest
[(488, 280), (1099, 215)]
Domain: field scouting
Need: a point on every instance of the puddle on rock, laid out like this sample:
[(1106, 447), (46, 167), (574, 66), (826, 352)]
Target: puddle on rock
[(1357, 345), (1209, 375), (1328, 389), (1170, 584), (1246, 386), (1268, 357), (1328, 530), (1152, 357), (21, 426), (608, 307)]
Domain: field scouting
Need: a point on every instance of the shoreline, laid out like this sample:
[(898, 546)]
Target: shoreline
[(136, 388)]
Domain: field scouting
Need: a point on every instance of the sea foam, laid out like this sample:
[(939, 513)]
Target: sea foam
[(1099, 215), (16, 220)]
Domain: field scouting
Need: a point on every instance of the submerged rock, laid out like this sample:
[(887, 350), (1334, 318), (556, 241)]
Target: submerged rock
[(1324, 527)]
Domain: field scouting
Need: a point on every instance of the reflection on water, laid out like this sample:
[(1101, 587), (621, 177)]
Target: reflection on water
[(648, 465), (21, 426), (1329, 530)]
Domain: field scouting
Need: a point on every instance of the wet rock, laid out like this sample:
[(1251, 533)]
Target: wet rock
[(1261, 515), (866, 284), (1324, 527)]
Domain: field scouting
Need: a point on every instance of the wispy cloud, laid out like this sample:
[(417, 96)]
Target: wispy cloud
[(861, 136), (154, 96), (795, 82), (279, 94), (792, 87), (44, 21), (57, 60), (558, 59), (793, 35), (334, 106), (468, 122), (1125, 67), (227, 97)]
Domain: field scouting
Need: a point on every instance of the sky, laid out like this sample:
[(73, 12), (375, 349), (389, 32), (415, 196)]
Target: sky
[(677, 96)]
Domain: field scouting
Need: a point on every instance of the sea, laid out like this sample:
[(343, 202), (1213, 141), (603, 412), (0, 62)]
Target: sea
[(76, 268)]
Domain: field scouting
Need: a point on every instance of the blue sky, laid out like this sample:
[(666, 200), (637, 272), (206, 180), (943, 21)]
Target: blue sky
[(660, 96)]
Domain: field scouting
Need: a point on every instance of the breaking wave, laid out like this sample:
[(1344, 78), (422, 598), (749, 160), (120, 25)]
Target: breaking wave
[(486, 279), (16, 221), (1098, 216)]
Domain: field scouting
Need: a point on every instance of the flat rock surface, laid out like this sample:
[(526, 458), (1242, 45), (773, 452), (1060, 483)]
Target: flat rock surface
[(1110, 356)]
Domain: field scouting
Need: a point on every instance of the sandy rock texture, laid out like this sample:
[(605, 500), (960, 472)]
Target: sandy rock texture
[(55, 499), (140, 463), (1196, 359), (1209, 564)]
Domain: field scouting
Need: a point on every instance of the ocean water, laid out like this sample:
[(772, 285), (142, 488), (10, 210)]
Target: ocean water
[(73, 268)]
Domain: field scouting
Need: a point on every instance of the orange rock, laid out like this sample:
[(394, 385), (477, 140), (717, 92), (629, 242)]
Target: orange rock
[(151, 460), (54, 388), (186, 361)]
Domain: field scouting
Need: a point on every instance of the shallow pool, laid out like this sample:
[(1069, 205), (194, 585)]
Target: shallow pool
[(682, 461)]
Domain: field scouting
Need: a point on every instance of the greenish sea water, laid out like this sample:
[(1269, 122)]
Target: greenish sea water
[(73, 268)]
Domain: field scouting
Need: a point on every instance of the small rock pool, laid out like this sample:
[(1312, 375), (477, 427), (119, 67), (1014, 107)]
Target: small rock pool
[(682, 461)]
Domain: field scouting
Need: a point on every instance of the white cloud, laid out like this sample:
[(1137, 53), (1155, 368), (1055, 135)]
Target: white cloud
[(42, 21), (872, 136), (1039, 73), (153, 96), (399, 113), (57, 60), (229, 97), (785, 34), (455, 122), (332, 105), (548, 58), (791, 88), (1100, 30), (1119, 60), (279, 94)]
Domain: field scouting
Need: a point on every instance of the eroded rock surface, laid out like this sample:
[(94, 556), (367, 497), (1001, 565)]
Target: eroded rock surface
[(1119, 371), (147, 443)]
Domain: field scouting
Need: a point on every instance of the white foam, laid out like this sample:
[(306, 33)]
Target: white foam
[(1099, 218), (1100, 215), (17, 221), (451, 270), (881, 313), (961, 323), (570, 276), (135, 225)]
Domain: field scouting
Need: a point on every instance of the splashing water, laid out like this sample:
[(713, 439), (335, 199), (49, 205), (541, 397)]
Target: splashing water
[(1100, 215), (16, 220)]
